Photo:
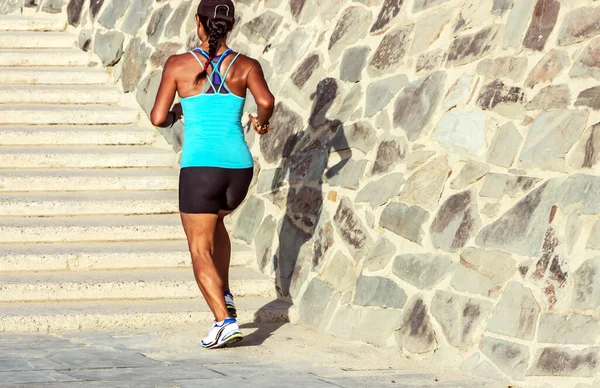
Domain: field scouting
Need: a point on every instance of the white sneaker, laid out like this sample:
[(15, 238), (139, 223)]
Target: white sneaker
[(222, 334), (230, 305)]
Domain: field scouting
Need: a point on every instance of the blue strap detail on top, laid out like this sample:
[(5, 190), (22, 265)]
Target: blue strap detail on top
[(216, 80)]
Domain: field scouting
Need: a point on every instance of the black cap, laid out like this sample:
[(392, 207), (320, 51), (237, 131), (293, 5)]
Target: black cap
[(217, 9)]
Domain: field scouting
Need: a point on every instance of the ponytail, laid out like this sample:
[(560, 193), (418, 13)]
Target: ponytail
[(217, 29)]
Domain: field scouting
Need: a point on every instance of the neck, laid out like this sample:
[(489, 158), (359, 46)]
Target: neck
[(220, 49)]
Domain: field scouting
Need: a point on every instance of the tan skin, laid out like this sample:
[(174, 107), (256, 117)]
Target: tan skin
[(208, 239)]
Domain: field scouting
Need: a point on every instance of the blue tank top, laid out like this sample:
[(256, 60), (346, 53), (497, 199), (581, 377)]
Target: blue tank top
[(213, 135)]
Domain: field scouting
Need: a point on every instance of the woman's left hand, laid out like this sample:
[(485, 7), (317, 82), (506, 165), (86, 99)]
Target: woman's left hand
[(178, 110)]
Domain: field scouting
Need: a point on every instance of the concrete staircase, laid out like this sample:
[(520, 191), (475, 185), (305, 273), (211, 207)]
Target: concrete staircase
[(90, 237)]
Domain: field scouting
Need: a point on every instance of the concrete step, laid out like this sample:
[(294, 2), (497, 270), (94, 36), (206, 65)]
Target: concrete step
[(19, 230), (36, 40), (84, 157), (46, 114), (11, 135), (53, 317), (166, 283), (31, 204), (53, 76), (106, 256), (93, 179), (59, 94), (49, 57), (28, 23)]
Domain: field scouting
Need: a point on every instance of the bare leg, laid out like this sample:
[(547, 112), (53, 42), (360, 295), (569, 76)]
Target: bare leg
[(200, 231), (222, 253)]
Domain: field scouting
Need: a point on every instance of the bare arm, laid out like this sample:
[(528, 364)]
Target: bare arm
[(262, 95), (160, 116)]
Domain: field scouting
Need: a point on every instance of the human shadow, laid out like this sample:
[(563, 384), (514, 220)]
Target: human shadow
[(304, 167)]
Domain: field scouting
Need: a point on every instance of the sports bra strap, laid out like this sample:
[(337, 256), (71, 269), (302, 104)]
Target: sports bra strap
[(224, 77), (198, 59)]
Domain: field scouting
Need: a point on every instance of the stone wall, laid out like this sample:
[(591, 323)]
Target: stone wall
[(431, 182)]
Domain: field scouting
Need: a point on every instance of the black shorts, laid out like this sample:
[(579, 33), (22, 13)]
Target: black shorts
[(206, 190)]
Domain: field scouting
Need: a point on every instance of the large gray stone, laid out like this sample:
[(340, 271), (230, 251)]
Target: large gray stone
[(378, 192), (380, 93), (113, 12), (467, 48), (569, 329), (496, 92), (500, 7), (391, 51), (74, 12), (551, 136), (586, 281), (588, 63), (146, 93), (423, 271), (274, 145), (109, 47), (136, 16), (513, 68), (173, 28), (545, 15), (53, 6), (473, 15), (430, 61), (340, 273), (263, 242), (551, 97), (163, 52), (579, 194), (293, 48), (510, 357), (548, 68), (483, 272), (380, 254), (516, 24), (249, 220), (417, 103), (353, 63), (292, 258), (350, 103), (472, 172), (377, 326), (420, 5), (580, 24), (456, 222), (555, 361), (587, 151), (304, 206), (405, 221), (389, 10), (314, 301), (9, 6), (84, 40), (426, 185), (270, 180), (306, 69), (522, 229), (428, 29), (361, 136), (135, 62), (157, 24), (459, 92), (505, 146), (390, 151), (416, 334), (350, 175), (589, 98), (462, 132), (95, 6), (379, 292), (352, 26), (498, 185), (516, 314), (351, 229), (460, 317), (324, 240)]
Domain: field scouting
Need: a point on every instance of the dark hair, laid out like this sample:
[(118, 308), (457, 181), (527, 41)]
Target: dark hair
[(216, 29)]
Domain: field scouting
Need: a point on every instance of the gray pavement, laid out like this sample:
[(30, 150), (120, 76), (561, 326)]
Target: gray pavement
[(270, 356)]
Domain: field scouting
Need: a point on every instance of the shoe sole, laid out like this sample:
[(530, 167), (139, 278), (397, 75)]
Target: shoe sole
[(233, 339)]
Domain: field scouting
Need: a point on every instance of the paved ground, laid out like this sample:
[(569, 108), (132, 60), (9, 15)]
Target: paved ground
[(272, 356)]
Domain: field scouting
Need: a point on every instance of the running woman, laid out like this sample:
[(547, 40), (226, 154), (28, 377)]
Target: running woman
[(216, 166)]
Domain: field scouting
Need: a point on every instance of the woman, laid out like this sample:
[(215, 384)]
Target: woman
[(216, 166)]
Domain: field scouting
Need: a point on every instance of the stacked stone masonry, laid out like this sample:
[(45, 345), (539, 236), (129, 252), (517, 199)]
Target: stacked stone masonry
[(432, 180)]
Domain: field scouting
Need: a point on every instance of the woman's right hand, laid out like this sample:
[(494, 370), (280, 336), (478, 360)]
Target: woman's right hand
[(257, 127)]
